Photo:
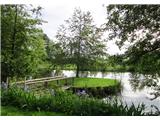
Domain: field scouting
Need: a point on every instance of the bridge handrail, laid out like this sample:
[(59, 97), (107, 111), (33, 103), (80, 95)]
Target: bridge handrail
[(49, 80), (37, 79)]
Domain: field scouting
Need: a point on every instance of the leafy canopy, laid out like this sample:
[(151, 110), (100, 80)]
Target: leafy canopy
[(139, 25), (22, 44), (80, 39)]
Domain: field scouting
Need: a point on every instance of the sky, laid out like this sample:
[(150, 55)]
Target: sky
[(56, 13)]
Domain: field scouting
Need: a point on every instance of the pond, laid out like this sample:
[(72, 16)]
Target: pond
[(133, 90)]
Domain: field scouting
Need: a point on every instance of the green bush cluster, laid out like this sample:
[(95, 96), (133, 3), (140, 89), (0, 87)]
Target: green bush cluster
[(67, 103), (98, 92)]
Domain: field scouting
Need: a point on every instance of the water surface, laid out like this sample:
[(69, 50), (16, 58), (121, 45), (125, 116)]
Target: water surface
[(131, 92)]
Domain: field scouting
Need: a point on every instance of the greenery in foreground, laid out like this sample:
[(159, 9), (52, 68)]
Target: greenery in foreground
[(14, 111), (67, 103)]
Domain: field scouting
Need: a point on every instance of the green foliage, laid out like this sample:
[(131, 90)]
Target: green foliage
[(139, 25), (66, 102), (113, 63), (22, 40), (98, 92), (97, 87), (55, 55), (80, 40)]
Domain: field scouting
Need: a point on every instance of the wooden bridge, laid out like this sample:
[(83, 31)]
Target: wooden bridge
[(46, 80)]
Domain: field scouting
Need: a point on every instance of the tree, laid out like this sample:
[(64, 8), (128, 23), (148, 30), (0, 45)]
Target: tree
[(54, 52), (139, 25), (22, 44), (80, 39)]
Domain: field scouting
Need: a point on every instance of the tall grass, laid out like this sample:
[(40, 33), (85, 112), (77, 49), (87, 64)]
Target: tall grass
[(68, 103)]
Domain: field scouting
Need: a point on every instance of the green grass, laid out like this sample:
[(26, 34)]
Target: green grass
[(13, 111), (62, 102), (94, 82)]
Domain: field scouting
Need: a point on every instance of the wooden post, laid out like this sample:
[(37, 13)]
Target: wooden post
[(7, 83), (57, 82), (25, 83), (45, 84), (72, 81), (66, 82)]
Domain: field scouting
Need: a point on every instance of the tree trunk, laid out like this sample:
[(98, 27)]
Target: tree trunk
[(4, 72), (4, 78), (79, 50), (77, 71), (13, 44)]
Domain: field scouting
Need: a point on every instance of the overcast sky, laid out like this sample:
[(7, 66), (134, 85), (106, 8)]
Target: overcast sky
[(56, 13)]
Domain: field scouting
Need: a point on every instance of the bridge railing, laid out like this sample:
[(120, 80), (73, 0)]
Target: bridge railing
[(37, 79), (43, 80)]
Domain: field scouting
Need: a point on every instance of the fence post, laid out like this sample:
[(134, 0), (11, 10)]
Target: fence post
[(7, 83), (57, 82), (72, 81), (66, 83), (24, 83), (45, 84)]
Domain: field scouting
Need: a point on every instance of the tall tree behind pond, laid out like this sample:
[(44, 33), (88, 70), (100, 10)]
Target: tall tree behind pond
[(80, 39)]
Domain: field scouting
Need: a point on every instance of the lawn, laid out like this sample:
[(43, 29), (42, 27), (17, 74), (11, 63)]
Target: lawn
[(94, 82), (13, 111)]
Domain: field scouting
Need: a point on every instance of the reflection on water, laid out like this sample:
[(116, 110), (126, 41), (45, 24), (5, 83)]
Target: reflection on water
[(137, 88), (135, 81)]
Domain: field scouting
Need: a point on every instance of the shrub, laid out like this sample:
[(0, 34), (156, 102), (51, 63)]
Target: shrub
[(99, 92), (68, 103)]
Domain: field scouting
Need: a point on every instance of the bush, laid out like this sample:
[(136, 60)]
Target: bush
[(68, 103), (99, 92)]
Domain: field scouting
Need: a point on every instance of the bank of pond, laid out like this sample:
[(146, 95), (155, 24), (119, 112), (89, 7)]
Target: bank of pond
[(91, 87), (66, 103), (81, 99), (96, 87)]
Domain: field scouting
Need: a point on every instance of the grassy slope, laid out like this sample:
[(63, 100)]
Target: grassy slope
[(13, 111), (94, 82)]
